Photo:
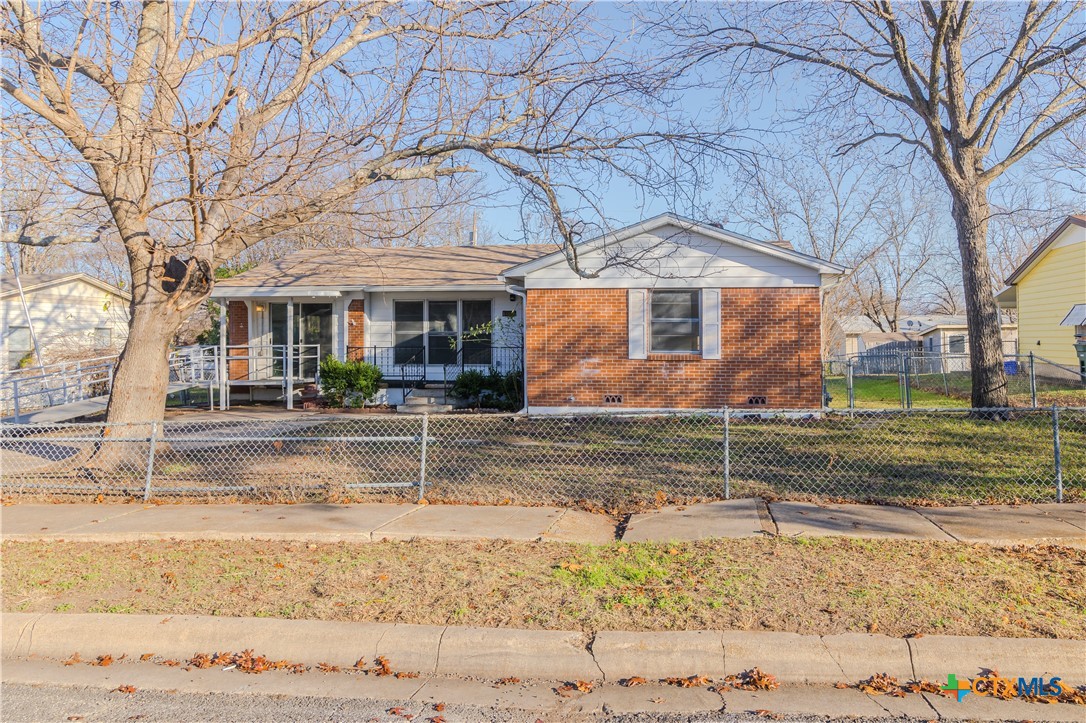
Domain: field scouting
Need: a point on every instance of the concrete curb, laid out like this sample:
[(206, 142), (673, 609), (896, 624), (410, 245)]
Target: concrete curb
[(541, 654)]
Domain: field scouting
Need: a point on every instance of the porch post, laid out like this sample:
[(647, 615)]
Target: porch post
[(288, 365), (223, 368)]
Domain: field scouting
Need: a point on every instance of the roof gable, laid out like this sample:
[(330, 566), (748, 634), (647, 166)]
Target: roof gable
[(676, 230), (1038, 254), (37, 282)]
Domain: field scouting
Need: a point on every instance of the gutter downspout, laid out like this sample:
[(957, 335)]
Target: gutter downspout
[(521, 292)]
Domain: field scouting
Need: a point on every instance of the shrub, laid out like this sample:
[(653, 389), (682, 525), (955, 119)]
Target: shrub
[(503, 391), (350, 383), (469, 384)]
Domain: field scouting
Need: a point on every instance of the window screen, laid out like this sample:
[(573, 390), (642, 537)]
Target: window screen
[(675, 321)]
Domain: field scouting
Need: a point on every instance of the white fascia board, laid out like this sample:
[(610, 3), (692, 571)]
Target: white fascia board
[(457, 287), (279, 292)]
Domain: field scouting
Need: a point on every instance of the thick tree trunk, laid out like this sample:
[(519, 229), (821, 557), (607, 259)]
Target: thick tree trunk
[(970, 210), (142, 376)]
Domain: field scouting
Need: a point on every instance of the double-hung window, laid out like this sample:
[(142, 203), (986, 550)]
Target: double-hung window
[(675, 321)]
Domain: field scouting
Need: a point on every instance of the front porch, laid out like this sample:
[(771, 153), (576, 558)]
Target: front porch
[(273, 346)]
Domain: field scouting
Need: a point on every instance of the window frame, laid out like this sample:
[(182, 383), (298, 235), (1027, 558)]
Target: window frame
[(695, 321), (97, 334), (955, 339), (481, 348), (12, 331)]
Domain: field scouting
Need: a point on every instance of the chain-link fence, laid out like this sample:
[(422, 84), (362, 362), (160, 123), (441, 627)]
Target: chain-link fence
[(924, 380), (617, 462)]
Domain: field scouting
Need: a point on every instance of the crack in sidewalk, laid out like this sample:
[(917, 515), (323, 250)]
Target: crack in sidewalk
[(919, 511), (592, 654)]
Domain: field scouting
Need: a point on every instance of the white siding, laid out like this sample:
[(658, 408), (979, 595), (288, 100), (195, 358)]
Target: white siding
[(672, 257), (65, 317)]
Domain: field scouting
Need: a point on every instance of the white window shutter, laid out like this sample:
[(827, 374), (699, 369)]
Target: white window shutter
[(710, 323), (637, 303)]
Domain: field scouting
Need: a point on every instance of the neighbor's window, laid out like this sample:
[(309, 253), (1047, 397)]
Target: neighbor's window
[(19, 338), (675, 321), (957, 344), (103, 337)]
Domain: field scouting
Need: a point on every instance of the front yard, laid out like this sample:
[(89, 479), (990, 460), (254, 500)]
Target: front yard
[(809, 586)]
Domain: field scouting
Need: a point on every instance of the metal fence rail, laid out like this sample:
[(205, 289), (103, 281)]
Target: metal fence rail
[(946, 380), (611, 461)]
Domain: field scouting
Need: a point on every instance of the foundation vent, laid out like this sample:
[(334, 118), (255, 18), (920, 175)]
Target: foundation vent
[(612, 399), (757, 401)]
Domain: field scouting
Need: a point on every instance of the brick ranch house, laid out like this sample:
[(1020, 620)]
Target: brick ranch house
[(666, 314)]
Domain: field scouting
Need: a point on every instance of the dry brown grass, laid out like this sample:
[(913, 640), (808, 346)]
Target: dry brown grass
[(806, 586)]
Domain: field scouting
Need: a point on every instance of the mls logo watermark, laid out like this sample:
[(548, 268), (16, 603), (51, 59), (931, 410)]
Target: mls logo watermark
[(999, 687)]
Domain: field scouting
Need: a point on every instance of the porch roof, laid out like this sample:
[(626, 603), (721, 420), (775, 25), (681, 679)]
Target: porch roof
[(325, 272)]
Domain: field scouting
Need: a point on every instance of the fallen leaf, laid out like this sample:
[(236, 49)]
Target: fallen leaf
[(507, 681), (693, 681), (361, 663), (103, 661), (631, 682), (73, 660), (147, 656), (327, 668), (879, 684), (129, 689), (753, 679)]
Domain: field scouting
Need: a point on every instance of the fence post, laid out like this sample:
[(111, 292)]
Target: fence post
[(15, 396), (1032, 383), (79, 376), (422, 456), (150, 461), (851, 391), (1056, 452), (727, 455)]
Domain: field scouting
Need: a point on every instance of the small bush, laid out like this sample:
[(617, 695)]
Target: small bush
[(503, 391), (350, 383), (469, 384)]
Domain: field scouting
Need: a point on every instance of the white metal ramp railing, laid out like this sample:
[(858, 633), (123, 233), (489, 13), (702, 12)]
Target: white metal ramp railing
[(34, 389), (51, 385)]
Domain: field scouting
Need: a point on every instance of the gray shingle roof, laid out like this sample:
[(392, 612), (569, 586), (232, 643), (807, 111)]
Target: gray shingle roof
[(397, 266)]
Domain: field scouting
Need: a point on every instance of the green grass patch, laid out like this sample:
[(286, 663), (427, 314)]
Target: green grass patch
[(803, 585)]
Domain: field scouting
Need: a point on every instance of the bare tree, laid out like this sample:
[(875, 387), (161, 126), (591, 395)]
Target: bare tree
[(974, 88), (823, 206), (205, 128), (907, 242)]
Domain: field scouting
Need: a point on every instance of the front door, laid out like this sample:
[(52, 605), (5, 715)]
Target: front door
[(312, 336)]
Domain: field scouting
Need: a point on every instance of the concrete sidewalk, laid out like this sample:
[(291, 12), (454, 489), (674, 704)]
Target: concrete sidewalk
[(1063, 524)]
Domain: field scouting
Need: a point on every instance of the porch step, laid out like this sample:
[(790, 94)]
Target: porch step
[(424, 401), (427, 393), (423, 408)]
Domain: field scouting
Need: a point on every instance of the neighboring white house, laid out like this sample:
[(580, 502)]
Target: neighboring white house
[(940, 334), (72, 316)]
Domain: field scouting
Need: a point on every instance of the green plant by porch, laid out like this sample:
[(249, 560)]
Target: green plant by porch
[(349, 383)]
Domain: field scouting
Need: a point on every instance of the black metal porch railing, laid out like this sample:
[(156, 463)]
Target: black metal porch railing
[(408, 365)]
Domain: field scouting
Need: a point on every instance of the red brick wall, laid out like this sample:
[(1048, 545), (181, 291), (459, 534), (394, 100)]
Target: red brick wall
[(237, 332), (577, 346), (356, 329)]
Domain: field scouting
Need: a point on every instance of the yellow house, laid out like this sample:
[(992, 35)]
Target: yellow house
[(1046, 288)]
